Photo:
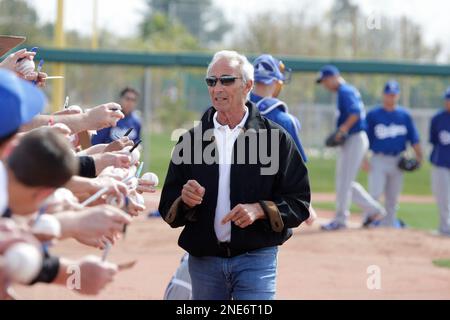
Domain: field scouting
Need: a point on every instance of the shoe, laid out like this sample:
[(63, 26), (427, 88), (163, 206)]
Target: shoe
[(372, 221), (332, 226), (153, 214)]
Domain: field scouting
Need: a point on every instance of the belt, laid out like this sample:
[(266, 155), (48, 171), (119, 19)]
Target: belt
[(392, 154), (225, 251)]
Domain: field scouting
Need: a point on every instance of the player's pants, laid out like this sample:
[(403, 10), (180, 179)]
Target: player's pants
[(348, 162), (385, 178), (440, 182), (364, 200)]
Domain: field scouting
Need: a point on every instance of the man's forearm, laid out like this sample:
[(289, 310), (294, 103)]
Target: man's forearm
[(418, 152), (76, 122), (348, 124)]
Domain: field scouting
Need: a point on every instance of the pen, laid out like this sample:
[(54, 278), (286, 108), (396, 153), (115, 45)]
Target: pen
[(39, 68)]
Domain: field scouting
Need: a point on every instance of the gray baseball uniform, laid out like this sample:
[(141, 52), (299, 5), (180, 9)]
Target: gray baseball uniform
[(180, 287), (440, 158), (388, 131), (348, 162), (440, 179), (385, 178)]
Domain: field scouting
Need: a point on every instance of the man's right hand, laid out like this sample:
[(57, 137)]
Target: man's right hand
[(119, 144), (91, 226), (192, 193), (10, 61), (104, 116), (95, 274)]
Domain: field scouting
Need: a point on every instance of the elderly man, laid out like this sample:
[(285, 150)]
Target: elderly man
[(236, 203)]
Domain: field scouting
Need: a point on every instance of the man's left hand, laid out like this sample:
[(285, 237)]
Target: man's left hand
[(244, 215)]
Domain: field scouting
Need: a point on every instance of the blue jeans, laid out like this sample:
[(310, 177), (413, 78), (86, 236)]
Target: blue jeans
[(250, 276)]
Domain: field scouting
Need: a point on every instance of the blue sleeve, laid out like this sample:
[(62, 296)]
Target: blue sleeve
[(350, 102), (292, 125), (370, 129), (413, 134), (102, 136), (433, 132), (138, 128)]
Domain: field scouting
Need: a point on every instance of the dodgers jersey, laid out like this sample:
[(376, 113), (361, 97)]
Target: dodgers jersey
[(389, 131), (277, 111), (440, 139), (107, 135), (349, 102)]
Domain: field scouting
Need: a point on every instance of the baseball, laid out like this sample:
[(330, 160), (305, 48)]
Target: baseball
[(135, 155), (151, 177), (25, 67), (62, 194), (114, 201), (47, 225), (75, 107), (23, 262), (132, 183), (139, 199)]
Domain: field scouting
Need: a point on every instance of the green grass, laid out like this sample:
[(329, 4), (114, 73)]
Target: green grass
[(321, 171), (160, 147), (415, 215), (442, 263)]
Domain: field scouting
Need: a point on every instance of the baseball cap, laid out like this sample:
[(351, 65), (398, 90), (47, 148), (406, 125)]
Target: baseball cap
[(447, 94), (9, 42), (327, 71), (267, 69), (391, 87), (20, 101)]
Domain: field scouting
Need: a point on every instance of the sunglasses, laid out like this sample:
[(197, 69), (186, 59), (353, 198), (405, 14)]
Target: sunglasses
[(224, 80)]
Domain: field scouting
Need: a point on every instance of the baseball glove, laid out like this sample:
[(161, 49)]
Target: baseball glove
[(410, 164), (335, 139)]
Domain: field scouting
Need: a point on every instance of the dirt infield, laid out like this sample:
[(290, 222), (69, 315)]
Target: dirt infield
[(312, 265)]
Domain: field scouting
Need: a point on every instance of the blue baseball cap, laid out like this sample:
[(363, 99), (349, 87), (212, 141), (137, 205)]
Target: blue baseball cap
[(20, 101), (447, 94), (327, 71), (391, 87), (267, 69)]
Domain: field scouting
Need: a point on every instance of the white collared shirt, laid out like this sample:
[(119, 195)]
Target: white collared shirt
[(225, 139)]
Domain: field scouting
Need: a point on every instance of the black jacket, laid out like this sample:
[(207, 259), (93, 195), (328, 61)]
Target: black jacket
[(284, 196)]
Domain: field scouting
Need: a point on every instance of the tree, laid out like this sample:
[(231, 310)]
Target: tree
[(200, 18), (18, 18)]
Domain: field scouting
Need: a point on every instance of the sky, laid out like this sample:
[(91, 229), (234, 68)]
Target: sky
[(122, 17)]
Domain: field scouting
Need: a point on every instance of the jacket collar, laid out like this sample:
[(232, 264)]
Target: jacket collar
[(254, 120)]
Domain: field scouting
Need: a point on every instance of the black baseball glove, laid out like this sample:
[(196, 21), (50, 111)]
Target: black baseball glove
[(335, 139), (410, 164)]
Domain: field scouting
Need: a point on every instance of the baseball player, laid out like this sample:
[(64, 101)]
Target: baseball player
[(389, 128), (270, 75), (351, 127), (440, 159)]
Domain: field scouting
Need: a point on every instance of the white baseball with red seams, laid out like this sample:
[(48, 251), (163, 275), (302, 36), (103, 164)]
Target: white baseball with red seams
[(25, 67), (47, 225), (151, 177)]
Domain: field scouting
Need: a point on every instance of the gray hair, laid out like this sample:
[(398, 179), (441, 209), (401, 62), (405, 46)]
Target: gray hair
[(236, 60)]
